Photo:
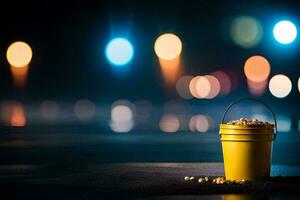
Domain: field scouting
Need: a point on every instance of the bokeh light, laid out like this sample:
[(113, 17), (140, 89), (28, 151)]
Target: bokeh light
[(225, 82), (119, 51), (199, 123), (18, 118), (121, 117), (257, 88), (285, 32), (170, 70), (200, 87), (284, 123), (280, 86), (168, 46), (192, 87), (257, 68), (19, 75), (12, 113), (246, 31), (84, 109), (19, 54), (182, 87), (214, 86), (121, 113), (169, 123), (49, 110)]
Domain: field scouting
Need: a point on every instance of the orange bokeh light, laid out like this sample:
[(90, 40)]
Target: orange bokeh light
[(12, 114), (257, 68), (168, 46), (18, 116), (19, 54), (170, 70), (257, 88), (19, 75)]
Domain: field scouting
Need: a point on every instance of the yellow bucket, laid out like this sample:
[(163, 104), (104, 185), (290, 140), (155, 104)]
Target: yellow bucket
[(247, 149)]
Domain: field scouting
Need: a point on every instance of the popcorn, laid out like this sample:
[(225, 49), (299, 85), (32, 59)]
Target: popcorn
[(214, 180), (245, 121)]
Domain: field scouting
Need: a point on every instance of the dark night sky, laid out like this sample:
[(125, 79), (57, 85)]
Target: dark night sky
[(68, 41)]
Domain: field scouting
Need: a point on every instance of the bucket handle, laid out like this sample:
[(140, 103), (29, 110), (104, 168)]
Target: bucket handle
[(254, 99)]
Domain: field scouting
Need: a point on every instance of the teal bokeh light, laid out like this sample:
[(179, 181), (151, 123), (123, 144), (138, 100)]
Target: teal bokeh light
[(119, 51), (246, 31)]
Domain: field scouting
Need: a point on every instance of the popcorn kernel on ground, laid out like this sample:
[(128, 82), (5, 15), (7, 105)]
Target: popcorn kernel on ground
[(214, 180), (245, 121)]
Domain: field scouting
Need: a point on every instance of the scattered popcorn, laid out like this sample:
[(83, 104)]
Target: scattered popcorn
[(245, 121), (214, 180)]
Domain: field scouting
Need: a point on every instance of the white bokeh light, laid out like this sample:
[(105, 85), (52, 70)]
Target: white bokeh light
[(280, 86), (121, 118), (285, 32)]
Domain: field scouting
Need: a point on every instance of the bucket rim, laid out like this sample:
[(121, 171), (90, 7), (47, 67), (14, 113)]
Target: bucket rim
[(257, 126)]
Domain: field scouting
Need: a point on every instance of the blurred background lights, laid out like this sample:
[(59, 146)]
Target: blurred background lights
[(121, 118), (13, 114), (203, 87), (169, 123), (285, 32), (182, 87), (199, 123), (246, 31), (170, 70), (18, 116), (225, 82), (192, 87), (49, 110), (214, 86), (19, 54), (280, 86), (168, 46), (284, 123), (121, 113), (84, 109), (119, 51), (257, 88), (257, 68)]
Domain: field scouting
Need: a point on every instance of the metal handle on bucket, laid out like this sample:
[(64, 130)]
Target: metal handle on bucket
[(254, 99)]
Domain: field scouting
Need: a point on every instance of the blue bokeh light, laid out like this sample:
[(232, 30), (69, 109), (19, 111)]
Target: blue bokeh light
[(285, 32), (119, 51)]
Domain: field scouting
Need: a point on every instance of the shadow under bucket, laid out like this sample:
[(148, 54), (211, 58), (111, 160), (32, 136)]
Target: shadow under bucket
[(247, 149)]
